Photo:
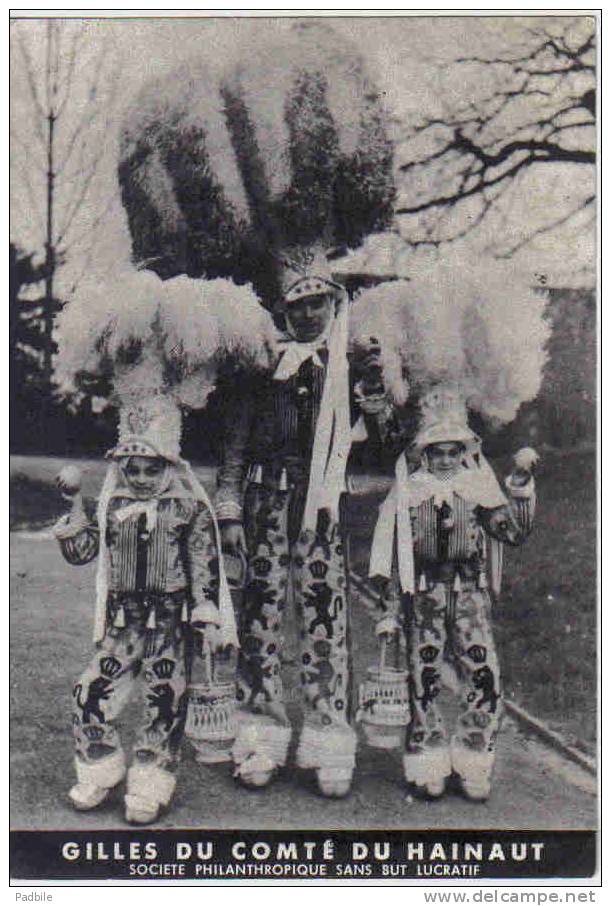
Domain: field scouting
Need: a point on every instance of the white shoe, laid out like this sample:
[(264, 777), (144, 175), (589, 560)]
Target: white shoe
[(334, 782), (435, 788), (149, 787), (140, 811), (330, 751), (96, 779), (85, 796), (428, 771), (474, 770), (475, 789), (255, 772), (260, 748), (255, 780)]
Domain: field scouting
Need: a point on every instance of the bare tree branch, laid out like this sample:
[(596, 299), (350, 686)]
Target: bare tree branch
[(31, 82), (34, 199), (73, 83), (548, 228), (538, 109)]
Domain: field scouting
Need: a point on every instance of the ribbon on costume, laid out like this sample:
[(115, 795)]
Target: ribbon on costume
[(394, 515), (111, 482), (294, 354), (228, 627), (149, 508), (332, 438)]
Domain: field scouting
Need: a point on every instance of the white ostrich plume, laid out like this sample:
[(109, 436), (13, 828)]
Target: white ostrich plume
[(481, 329), (162, 336)]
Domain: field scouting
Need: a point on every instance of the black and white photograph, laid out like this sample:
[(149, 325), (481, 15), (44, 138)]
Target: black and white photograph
[(303, 447)]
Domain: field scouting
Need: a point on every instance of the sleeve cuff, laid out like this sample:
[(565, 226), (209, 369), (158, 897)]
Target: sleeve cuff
[(521, 492), (228, 510), (66, 528)]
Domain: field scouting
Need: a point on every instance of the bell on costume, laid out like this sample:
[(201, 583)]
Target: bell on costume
[(93, 732)]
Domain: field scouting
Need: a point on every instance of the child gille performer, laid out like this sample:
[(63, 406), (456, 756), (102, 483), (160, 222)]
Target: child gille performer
[(441, 529), (160, 573)]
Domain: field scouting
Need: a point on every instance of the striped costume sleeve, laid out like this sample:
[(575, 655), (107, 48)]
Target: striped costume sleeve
[(79, 541), (522, 501)]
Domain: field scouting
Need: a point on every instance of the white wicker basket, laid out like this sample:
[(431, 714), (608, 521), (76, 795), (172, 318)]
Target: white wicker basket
[(384, 708), (211, 716)]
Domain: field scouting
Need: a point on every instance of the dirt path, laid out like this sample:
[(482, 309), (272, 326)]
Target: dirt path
[(51, 612)]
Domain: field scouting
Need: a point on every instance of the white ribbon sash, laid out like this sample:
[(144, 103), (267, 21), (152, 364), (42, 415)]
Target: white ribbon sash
[(332, 438), (394, 514), (147, 507)]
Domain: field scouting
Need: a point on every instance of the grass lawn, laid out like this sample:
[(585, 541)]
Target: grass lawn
[(545, 622)]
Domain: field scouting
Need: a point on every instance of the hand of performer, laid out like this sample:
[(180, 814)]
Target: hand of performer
[(233, 538), (69, 482), (524, 464)]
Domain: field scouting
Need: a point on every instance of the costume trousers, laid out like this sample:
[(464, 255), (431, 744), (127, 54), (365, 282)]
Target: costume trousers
[(309, 572), (454, 626), (129, 657)]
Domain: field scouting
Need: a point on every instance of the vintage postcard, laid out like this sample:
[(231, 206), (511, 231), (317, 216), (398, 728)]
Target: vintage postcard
[(303, 315)]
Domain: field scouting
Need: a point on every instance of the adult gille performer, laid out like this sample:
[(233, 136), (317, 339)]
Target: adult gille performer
[(290, 437)]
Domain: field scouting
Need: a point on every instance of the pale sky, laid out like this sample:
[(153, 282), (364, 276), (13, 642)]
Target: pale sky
[(402, 53)]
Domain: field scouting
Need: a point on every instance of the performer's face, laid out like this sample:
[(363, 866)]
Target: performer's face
[(444, 459), (145, 475), (309, 317)]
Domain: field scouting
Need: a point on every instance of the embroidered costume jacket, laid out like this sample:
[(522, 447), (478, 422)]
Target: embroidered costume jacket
[(456, 527), (451, 537), (271, 423), (171, 558)]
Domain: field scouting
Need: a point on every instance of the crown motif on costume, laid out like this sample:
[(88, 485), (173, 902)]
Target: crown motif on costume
[(319, 569), (305, 272), (110, 666), (298, 260), (93, 733), (164, 668), (444, 418)]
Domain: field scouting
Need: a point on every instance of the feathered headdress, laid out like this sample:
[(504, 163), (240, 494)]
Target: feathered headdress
[(160, 345), (221, 175), (465, 338), (152, 337), (481, 332)]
